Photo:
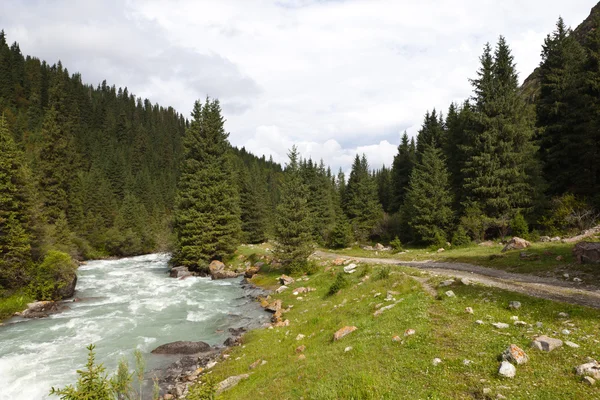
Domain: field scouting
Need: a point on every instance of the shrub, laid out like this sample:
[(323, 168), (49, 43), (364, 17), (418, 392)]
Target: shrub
[(518, 225), (366, 270), (475, 223), (383, 273), (340, 282), (396, 245), (205, 389), (460, 237), (55, 272), (341, 236), (569, 213), (439, 240)]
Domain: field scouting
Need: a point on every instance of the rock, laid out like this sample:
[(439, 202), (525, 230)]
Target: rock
[(350, 268), (300, 336), (182, 347), (409, 332), (479, 322), (436, 362), (396, 339), (168, 396), (514, 318), (68, 290), (42, 309), (379, 246), (255, 364), (578, 280), (566, 332), (450, 293), (487, 391), (250, 272), (300, 290), (347, 349), (467, 362), (179, 272), (281, 289), (230, 382), (445, 283), (587, 253), (469, 310), (520, 323), (487, 243), (591, 369), (301, 357), (500, 325), (218, 271), (282, 323), (338, 261), (507, 370), (344, 332), (546, 343), (571, 344), (465, 281), (382, 309), (274, 306), (559, 258), (563, 315), (514, 305), (589, 380), (441, 250), (515, 354), (516, 243), (545, 239), (286, 280), (300, 349)]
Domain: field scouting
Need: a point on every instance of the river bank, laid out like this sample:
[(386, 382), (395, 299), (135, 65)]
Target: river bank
[(130, 303)]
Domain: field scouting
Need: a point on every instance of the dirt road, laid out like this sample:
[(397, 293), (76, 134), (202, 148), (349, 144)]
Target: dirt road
[(546, 288)]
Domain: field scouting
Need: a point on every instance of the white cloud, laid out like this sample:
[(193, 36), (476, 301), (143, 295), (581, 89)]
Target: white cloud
[(334, 77)]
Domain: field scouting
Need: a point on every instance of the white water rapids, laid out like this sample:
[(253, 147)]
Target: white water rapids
[(125, 304)]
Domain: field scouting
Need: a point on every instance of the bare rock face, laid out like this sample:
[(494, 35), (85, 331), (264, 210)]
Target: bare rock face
[(68, 290), (516, 243), (182, 347), (587, 253), (218, 271)]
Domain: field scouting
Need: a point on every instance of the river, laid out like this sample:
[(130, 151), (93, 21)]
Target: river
[(126, 304)]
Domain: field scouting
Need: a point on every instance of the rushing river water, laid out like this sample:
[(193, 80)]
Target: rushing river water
[(126, 304)]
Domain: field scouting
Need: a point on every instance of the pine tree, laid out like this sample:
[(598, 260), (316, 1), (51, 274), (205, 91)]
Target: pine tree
[(292, 229), (501, 150), (432, 132), (15, 248), (252, 204), (207, 214), (429, 198), (400, 174), (384, 188), (361, 202), (455, 149)]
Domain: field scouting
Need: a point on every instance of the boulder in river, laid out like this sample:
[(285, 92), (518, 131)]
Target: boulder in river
[(182, 347), (179, 272), (41, 309), (587, 252), (218, 271), (66, 289)]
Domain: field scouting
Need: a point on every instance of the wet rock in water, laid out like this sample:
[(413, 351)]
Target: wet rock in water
[(42, 309), (587, 252), (218, 271), (68, 290), (515, 354), (286, 280), (179, 272), (516, 243), (344, 332), (507, 370), (591, 369), (230, 382), (182, 347), (546, 343)]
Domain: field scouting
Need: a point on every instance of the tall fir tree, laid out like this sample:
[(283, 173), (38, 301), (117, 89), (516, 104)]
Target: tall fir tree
[(252, 203), (429, 199), (402, 167), (292, 228), (207, 213), (432, 132)]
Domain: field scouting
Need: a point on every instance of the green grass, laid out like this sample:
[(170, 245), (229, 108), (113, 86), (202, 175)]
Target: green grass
[(379, 368), (11, 304), (542, 258)]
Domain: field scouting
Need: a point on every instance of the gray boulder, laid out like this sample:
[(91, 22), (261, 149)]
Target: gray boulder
[(182, 347), (587, 253), (546, 343)]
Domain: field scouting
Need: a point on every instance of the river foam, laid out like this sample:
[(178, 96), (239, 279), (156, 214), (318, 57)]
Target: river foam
[(125, 304)]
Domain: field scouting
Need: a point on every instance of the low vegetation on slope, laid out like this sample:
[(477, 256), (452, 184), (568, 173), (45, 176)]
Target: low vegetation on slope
[(392, 355)]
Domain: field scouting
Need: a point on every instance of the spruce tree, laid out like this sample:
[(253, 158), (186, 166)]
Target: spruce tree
[(361, 202), (207, 213), (432, 132), (429, 199), (400, 173), (252, 204), (15, 248), (501, 150), (292, 228)]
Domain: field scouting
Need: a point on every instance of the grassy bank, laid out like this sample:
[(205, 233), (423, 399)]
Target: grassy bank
[(13, 303), (378, 367)]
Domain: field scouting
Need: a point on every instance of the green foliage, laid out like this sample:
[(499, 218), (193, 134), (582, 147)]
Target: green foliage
[(383, 273), (92, 384), (341, 236), (429, 200), (475, 223), (341, 282), (13, 303), (365, 270), (518, 225), (396, 245), (569, 213), (292, 229), (55, 272), (460, 238), (122, 381), (401, 169), (204, 389), (207, 214)]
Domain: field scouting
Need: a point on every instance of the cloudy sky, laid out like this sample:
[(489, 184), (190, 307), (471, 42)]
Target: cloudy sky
[(334, 77)]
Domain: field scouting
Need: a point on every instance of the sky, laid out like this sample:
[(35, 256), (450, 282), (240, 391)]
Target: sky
[(334, 77)]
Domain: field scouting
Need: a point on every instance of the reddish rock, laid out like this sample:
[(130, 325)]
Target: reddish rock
[(344, 332)]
